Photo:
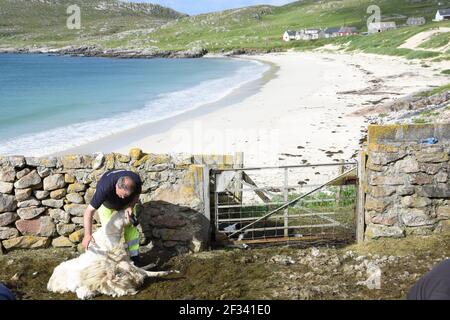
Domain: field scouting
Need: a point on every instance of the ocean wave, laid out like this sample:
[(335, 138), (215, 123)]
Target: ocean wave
[(163, 107)]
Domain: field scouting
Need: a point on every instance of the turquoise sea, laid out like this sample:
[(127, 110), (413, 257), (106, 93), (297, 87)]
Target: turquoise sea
[(50, 103)]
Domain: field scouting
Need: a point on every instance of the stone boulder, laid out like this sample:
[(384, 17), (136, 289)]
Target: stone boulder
[(75, 209), (416, 218), (29, 203), (42, 226), (77, 162), (75, 198), (380, 231), (8, 233), (59, 216), (17, 161), (30, 213), (62, 242), (30, 180), (23, 173), (26, 242), (54, 182), (7, 218), (45, 162), (7, 174), (52, 203), (7, 203), (58, 194), (23, 194), (6, 187), (65, 229), (41, 194)]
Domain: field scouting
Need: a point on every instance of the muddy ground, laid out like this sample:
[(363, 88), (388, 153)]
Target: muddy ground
[(282, 272)]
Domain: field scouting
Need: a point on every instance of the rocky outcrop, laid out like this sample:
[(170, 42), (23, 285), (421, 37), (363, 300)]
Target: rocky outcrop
[(93, 51)]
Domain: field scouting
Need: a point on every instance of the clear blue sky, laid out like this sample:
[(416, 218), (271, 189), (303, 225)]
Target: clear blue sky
[(193, 7)]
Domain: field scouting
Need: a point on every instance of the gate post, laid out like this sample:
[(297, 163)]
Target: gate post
[(361, 198), (286, 198), (206, 192)]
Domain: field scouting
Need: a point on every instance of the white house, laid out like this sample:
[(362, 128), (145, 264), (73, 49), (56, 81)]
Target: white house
[(375, 27), (443, 14), (310, 34), (289, 35)]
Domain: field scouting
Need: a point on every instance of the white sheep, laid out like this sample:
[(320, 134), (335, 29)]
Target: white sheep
[(105, 268)]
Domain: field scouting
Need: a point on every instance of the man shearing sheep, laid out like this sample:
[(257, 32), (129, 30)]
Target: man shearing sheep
[(116, 190)]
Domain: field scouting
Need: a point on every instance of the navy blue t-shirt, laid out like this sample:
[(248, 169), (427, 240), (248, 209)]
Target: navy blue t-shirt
[(105, 192), (435, 285)]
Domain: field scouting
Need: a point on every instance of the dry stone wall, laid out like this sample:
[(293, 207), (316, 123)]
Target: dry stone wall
[(407, 183), (42, 200)]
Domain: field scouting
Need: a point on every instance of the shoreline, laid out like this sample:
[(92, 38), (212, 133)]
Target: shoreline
[(121, 139), (305, 115), (301, 111)]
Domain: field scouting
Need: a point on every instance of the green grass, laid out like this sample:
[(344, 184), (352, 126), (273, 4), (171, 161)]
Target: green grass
[(429, 114), (447, 71), (435, 91), (437, 41), (257, 28), (420, 121)]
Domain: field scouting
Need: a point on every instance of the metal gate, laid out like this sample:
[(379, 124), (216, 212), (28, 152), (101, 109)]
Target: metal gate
[(289, 203)]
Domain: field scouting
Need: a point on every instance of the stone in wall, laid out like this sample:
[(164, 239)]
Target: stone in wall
[(58, 194), (30, 180), (26, 242), (52, 203), (75, 209), (7, 203), (31, 202), (77, 161), (74, 198), (65, 229), (8, 233), (17, 162), (59, 216), (41, 194), (62, 242), (23, 194), (380, 231), (8, 218), (44, 162), (6, 187), (22, 173), (53, 182), (30, 212), (42, 226), (416, 217), (7, 174)]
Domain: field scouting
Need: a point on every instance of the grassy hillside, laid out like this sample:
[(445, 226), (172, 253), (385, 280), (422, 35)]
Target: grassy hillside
[(258, 27), (43, 22)]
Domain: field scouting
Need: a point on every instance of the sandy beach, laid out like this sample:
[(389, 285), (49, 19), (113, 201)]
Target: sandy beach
[(300, 113)]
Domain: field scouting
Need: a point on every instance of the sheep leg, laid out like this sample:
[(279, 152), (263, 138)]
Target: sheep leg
[(160, 273), (149, 266)]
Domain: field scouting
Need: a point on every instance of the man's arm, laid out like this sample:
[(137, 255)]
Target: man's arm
[(135, 200), (88, 214)]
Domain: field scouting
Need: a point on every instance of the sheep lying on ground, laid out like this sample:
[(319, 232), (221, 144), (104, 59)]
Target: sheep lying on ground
[(105, 268)]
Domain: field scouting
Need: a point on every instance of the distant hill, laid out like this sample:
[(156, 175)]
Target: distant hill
[(114, 24), (44, 21)]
